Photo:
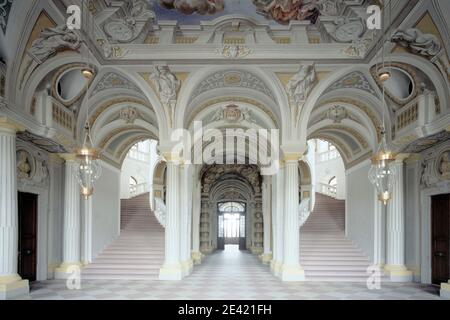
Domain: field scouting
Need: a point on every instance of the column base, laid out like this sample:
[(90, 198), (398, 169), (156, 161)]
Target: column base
[(197, 257), (172, 272), (187, 267), (445, 290), (292, 273), (67, 269), (276, 269), (265, 258), (398, 273), (13, 286)]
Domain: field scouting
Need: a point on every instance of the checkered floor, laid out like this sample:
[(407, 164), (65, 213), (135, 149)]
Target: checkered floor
[(228, 275)]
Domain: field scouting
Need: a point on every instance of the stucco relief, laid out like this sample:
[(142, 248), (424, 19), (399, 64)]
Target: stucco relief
[(32, 168), (436, 166)]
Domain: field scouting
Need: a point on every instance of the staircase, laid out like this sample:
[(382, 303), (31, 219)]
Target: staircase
[(326, 253), (138, 252)]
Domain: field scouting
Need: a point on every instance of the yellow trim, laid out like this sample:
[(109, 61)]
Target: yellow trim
[(10, 126), (397, 270)]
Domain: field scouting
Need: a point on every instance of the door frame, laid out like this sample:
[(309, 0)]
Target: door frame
[(42, 230), (425, 250)]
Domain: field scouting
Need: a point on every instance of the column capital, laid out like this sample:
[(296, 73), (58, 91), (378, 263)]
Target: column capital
[(10, 126), (67, 156), (55, 158), (413, 157), (401, 157)]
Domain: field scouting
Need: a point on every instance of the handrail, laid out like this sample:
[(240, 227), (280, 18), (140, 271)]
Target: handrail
[(304, 211), (138, 189), (160, 211), (327, 189)]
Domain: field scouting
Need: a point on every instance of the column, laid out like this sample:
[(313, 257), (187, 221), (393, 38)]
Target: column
[(172, 270), (395, 228), (279, 218), (196, 207), (72, 221), (11, 284), (291, 269), (445, 290), (266, 257), (185, 248), (379, 234)]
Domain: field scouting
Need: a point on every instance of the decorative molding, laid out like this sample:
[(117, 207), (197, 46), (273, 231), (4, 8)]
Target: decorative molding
[(41, 142), (234, 51), (232, 78), (113, 80), (354, 80), (5, 8), (425, 143), (128, 114), (233, 113)]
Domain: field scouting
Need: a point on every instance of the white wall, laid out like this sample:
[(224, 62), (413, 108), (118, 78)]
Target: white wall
[(105, 209), (360, 208)]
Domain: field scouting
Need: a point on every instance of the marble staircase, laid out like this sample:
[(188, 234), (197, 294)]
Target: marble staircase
[(326, 253), (138, 253)]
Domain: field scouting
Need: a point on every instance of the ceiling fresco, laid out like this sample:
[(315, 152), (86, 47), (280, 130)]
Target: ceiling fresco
[(191, 12)]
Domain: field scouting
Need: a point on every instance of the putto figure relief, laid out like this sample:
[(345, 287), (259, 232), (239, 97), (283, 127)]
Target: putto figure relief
[(301, 84), (417, 42), (51, 40), (23, 166), (444, 166), (283, 11), (167, 85)]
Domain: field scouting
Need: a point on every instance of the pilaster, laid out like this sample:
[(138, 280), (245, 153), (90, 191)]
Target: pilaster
[(395, 228), (72, 221), (291, 269), (172, 268), (11, 284)]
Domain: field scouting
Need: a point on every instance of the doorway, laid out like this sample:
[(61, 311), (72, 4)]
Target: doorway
[(27, 255), (231, 225), (440, 238)]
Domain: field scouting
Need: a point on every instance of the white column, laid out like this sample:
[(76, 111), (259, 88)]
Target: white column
[(11, 284), (185, 220), (291, 269), (172, 270), (196, 207), (279, 218), (395, 228), (379, 234), (267, 221), (72, 220)]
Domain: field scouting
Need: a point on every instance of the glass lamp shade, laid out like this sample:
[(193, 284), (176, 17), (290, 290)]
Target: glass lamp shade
[(381, 173), (89, 170)]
